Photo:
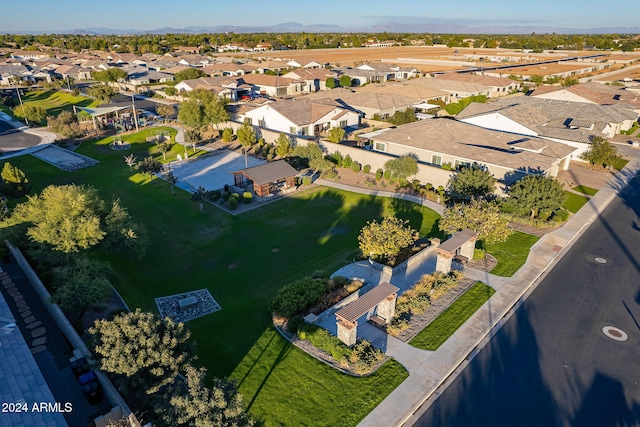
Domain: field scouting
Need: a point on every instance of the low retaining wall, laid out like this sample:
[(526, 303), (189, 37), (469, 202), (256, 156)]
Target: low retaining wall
[(65, 327)]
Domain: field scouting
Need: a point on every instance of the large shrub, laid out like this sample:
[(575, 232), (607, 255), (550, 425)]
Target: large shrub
[(297, 296)]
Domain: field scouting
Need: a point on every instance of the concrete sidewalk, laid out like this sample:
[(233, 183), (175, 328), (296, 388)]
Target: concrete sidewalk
[(415, 199), (427, 375)]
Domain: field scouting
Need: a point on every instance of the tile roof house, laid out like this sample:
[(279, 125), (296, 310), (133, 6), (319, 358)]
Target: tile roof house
[(367, 104), (571, 123), (276, 86), (500, 86), (232, 88), (315, 78), (507, 156), (590, 93), (300, 117)]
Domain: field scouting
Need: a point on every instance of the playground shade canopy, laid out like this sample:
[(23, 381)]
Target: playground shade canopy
[(100, 111)]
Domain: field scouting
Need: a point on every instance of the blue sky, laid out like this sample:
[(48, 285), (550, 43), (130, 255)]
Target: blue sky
[(61, 15)]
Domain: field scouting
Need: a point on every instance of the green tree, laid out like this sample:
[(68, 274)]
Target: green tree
[(403, 167), (283, 145), (335, 134), (188, 74), (192, 403), (308, 152), (32, 113), (247, 135), (145, 352), (149, 166), (345, 81), (538, 80), (109, 75), (403, 117), (601, 152), (322, 165), (385, 239), (165, 111), (81, 284), (331, 83), (171, 91), (65, 218), (536, 194), (171, 180), (203, 108), (123, 233), (102, 93), (472, 182), (65, 124), (164, 147), (14, 181), (199, 197), (480, 216)]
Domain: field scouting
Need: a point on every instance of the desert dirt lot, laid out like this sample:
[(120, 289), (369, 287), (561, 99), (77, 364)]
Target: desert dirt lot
[(349, 56)]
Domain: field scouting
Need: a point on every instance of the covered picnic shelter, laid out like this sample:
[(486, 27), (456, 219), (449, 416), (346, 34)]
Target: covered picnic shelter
[(459, 247), (266, 178), (379, 304)]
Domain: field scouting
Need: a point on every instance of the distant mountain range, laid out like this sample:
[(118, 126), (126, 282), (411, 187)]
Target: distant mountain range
[(390, 27)]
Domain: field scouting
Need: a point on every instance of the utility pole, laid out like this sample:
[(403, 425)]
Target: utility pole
[(135, 116)]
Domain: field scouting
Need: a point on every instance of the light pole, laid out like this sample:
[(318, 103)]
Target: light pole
[(135, 117), (19, 97)]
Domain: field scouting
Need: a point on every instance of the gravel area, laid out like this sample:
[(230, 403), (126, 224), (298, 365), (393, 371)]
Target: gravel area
[(170, 306)]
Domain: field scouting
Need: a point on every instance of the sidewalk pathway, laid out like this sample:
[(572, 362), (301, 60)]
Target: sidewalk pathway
[(419, 200), (434, 368)]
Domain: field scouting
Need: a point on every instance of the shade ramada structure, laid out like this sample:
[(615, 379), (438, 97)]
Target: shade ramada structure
[(266, 177)]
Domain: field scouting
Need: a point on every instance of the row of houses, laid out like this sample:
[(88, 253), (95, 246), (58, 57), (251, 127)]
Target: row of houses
[(510, 137)]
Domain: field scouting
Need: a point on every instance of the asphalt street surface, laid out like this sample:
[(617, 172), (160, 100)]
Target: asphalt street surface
[(12, 139), (551, 364)]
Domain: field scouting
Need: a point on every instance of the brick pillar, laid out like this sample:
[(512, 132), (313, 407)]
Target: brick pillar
[(347, 331), (387, 308), (443, 262)]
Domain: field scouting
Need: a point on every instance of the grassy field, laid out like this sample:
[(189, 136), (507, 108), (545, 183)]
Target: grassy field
[(574, 201), (443, 326), (585, 190), (55, 102), (312, 229), (283, 386), (512, 253)]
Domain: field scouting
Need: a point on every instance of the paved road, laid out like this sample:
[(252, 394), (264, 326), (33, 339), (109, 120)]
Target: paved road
[(12, 139), (550, 365)]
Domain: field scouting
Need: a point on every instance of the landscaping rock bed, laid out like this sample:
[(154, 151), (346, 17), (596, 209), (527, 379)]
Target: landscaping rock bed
[(170, 306), (418, 322)]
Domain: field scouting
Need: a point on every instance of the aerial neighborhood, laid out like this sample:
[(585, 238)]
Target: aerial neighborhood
[(287, 229)]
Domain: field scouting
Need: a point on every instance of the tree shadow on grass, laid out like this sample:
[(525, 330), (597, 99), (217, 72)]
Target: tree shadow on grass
[(283, 348)]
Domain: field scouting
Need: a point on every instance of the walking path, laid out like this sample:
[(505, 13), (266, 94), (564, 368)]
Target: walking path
[(419, 200), (430, 370)]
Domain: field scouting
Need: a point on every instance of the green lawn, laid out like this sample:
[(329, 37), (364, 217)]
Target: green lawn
[(283, 386), (512, 253), (585, 190), (620, 164), (55, 102), (443, 326), (314, 229), (574, 201)]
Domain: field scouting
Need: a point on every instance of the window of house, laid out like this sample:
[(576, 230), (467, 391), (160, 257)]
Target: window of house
[(293, 129), (380, 146), (262, 123), (343, 123), (304, 130), (459, 164), (436, 160), (248, 120)]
